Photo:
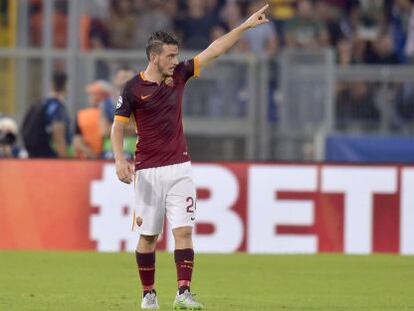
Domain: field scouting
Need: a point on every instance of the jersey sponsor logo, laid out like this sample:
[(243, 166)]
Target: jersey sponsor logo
[(119, 102), (144, 97)]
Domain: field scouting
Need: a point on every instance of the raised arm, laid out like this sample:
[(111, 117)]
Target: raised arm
[(224, 43)]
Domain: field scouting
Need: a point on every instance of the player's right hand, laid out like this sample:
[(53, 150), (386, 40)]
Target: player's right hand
[(257, 18), (124, 171)]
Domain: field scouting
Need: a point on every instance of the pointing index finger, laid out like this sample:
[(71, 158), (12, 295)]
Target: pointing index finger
[(263, 9)]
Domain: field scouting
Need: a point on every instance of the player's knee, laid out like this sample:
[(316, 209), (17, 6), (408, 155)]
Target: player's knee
[(183, 234), (147, 242)]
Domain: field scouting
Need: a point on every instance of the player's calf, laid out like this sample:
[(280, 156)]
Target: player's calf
[(146, 269)]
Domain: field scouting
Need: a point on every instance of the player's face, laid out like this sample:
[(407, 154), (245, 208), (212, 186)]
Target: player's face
[(167, 60), (94, 98)]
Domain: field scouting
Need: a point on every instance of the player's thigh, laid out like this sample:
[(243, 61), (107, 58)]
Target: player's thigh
[(181, 203), (149, 203)]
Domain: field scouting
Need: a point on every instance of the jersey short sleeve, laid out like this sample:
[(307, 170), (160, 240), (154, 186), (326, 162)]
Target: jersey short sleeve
[(108, 109), (123, 108), (188, 68), (55, 112)]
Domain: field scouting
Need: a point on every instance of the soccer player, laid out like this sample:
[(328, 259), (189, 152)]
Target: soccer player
[(163, 178)]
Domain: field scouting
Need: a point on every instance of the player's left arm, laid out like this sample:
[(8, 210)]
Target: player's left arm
[(224, 43)]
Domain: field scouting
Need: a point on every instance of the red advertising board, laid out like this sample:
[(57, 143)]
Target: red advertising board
[(258, 208)]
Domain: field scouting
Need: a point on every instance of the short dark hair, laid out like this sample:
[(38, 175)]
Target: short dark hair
[(59, 81), (157, 40)]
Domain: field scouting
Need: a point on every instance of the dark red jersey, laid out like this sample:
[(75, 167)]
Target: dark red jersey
[(158, 116)]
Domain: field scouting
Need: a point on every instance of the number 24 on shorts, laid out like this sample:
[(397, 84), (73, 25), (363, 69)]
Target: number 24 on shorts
[(191, 204)]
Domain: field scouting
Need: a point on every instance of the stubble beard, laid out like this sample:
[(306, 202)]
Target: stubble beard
[(164, 73)]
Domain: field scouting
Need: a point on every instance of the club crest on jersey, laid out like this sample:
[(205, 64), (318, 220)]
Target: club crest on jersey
[(119, 102), (169, 81)]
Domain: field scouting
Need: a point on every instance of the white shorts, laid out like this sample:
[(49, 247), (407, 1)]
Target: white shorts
[(167, 190)]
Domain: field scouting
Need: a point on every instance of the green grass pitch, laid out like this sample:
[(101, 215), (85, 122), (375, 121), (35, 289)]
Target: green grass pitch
[(98, 281)]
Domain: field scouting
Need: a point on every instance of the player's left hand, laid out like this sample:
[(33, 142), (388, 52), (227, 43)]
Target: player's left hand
[(257, 18)]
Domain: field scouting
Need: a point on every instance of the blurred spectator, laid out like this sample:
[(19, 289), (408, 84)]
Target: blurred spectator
[(359, 50), (409, 46), (356, 102), (8, 139), (231, 17), (46, 126), (97, 9), (99, 41), (196, 25), (98, 34), (405, 103), (156, 15), (59, 21), (36, 23), (121, 76), (335, 24), (304, 30), (91, 123), (343, 5), (367, 24), (281, 11), (107, 93), (344, 51), (217, 31), (382, 52), (121, 24), (262, 41), (368, 18), (214, 6), (399, 24)]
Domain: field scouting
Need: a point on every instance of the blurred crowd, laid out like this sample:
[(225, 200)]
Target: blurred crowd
[(48, 131), (361, 31)]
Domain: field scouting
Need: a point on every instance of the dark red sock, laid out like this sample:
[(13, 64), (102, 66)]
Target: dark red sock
[(146, 269), (184, 261)]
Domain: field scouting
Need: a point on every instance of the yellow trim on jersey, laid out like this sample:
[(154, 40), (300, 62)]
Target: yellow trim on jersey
[(196, 66), (121, 118), (143, 77)]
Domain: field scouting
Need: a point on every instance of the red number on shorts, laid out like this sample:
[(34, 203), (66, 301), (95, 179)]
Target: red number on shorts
[(190, 209)]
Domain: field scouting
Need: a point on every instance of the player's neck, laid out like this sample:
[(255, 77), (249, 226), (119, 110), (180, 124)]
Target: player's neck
[(153, 75), (58, 95)]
